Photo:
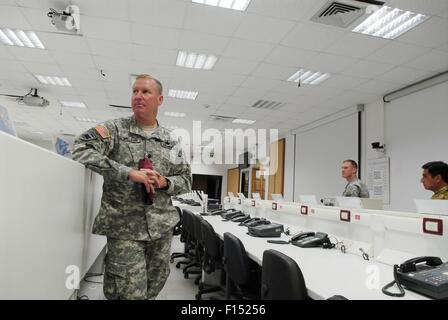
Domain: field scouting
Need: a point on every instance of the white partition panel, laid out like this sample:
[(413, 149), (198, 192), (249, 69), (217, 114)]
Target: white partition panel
[(45, 221)]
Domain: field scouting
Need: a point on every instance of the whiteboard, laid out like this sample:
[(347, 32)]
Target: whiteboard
[(416, 133), (319, 155)]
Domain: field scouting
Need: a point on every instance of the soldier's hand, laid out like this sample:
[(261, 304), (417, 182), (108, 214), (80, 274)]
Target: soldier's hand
[(143, 176), (153, 176), (161, 181)]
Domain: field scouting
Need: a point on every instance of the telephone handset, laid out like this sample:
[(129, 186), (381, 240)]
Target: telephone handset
[(312, 240), (246, 222), (426, 275), (302, 235)]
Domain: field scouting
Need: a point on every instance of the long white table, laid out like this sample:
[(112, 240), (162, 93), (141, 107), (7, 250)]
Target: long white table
[(327, 272)]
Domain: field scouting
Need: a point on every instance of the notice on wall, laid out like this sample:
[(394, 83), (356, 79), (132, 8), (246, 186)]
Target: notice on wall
[(378, 180)]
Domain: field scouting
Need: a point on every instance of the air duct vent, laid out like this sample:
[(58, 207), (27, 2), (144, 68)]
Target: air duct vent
[(266, 104), (343, 13)]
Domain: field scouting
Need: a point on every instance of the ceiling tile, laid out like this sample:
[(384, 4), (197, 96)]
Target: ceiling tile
[(343, 82), (154, 55), (107, 48), (202, 43), (377, 87), (367, 69), (12, 17), (31, 54), (107, 29), (312, 36), (272, 71), (262, 28), (166, 13), (155, 36), (244, 49), (292, 57), (214, 20), (397, 53), (356, 45), (331, 63), (81, 60), (286, 9), (435, 60), (235, 66), (404, 75), (103, 8)]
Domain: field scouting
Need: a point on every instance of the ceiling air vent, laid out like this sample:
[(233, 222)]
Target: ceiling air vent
[(217, 117), (269, 105), (343, 13)]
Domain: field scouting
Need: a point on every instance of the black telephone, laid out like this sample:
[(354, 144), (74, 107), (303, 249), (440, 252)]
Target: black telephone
[(430, 278), (311, 240), (244, 223), (257, 223), (240, 217)]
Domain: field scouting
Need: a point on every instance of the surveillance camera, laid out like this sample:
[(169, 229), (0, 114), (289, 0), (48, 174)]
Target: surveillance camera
[(378, 146)]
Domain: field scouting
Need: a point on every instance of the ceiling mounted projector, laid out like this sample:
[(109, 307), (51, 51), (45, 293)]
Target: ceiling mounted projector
[(68, 20), (31, 99)]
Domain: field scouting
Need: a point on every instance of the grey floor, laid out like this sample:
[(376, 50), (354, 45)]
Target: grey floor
[(176, 287)]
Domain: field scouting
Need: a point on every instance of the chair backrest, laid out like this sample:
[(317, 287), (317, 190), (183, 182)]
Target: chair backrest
[(188, 224), (197, 227), (281, 278), (178, 228), (210, 240), (236, 260)]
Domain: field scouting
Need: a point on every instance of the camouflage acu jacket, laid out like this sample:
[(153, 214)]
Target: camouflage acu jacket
[(112, 150)]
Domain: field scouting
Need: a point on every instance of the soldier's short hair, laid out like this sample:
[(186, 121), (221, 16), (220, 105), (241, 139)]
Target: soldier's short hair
[(352, 162), (147, 76), (436, 168)]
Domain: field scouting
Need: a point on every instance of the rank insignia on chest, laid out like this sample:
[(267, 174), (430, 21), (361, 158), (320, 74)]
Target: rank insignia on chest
[(102, 131)]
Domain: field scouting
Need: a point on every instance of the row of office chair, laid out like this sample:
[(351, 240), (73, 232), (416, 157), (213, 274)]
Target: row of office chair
[(279, 278)]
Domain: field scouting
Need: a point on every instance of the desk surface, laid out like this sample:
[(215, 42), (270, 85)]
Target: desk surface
[(327, 272)]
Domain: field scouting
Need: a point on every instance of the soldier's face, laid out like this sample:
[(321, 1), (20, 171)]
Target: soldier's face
[(146, 98), (347, 170), (429, 182)]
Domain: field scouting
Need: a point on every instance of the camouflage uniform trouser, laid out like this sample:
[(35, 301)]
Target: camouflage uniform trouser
[(136, 270)]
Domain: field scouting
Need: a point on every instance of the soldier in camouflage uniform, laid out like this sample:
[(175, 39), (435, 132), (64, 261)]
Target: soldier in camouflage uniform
[(435, 178), (138, 235), (355, 187)]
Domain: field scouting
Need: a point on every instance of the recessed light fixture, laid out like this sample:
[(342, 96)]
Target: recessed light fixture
[(175, 114), (73, 104), (195, 61), (20, 38), (55, 81), (181, 94), (240, 5), (309, 77), (86, 119), (390, 23), (244, 121)]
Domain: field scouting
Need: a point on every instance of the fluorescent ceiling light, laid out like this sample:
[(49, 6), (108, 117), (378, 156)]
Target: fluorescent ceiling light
[(73, 104), (20, 38), (243, 121), (55, 81), (240, 5), (86, 120), (175, 114), (309, 77), (195, 61), (181, 94), (390, 23)]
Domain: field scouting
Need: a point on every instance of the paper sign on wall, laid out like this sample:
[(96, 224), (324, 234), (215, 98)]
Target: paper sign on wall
[(379, 179)]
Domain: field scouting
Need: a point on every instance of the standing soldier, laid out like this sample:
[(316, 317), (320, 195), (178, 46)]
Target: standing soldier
[(355, 187), (138, 233)]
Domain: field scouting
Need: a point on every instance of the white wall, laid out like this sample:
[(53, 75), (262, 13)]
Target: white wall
[(414, 129), (216, 170)]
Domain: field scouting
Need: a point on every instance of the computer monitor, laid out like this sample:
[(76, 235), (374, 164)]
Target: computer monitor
[(308, 199), (230, 194), (256, 196), (438, 207), (242, 196), (277, 197), (359, 203)]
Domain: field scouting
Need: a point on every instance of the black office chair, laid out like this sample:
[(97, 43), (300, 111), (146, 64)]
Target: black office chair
[(242, 274), (212, 259), (281, 278), (188, 229), (195, 266), (179, 230)]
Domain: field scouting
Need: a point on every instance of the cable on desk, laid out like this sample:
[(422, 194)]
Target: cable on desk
[(395, 281), (365, 256)]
